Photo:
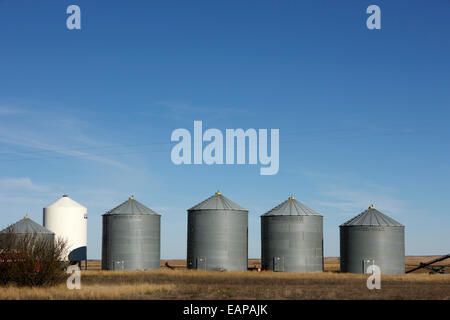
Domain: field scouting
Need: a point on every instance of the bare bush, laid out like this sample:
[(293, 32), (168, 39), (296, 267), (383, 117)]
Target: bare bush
[(31, 259)]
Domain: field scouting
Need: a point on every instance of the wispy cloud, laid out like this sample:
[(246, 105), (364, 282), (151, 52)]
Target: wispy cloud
[(23, 184), (27, 139), (51, 133), (344, 194), (350, 201), (19, 194)]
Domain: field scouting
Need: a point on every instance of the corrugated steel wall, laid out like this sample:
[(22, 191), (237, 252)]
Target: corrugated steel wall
[(385, 245), (217, 239), (292, 243), (131, 242)]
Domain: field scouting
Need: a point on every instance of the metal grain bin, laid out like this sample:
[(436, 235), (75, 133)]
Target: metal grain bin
[(68, 220), (292, 238), (131, 237), (372, 238), (217, 235), (25, 228)]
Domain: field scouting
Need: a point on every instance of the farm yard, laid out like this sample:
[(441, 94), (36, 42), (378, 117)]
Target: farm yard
[(178, 283)]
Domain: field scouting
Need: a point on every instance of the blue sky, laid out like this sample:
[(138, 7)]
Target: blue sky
[(363, 115)]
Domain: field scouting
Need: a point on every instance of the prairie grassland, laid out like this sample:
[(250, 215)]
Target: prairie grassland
[(91, 291), (190, 284)]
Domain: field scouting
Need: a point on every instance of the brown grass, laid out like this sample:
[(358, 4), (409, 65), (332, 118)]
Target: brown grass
[(184, 284), (190, 284), (87, 292)]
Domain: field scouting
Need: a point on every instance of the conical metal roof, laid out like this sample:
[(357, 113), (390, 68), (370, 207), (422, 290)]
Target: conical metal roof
[(65, 202), (372, 217), (131, 206), (25, 226), (291, 207), (217, 202)]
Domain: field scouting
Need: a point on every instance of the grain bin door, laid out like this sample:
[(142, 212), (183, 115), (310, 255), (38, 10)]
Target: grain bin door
[(201, 263), (118, 265), (278, 264), (366, 263)]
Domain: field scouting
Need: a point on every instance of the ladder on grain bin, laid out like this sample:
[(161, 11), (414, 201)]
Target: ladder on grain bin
[(427, 265)]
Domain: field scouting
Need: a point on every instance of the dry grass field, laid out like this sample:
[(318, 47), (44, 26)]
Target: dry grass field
[(189, 284)]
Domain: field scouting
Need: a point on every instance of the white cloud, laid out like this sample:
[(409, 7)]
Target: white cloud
[(47, 132), (352, 201), (348, 194), (20, 195), (11, 184)]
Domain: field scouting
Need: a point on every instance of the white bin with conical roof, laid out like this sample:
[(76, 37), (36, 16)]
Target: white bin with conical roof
[(131, 237), (68, 220), (217, 235), (372, 238), (292, 238)]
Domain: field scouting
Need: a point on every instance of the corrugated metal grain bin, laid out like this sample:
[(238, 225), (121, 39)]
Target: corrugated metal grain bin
[(131, 237), (372, 238), (217, 235), (292, 238), (25, 228)]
